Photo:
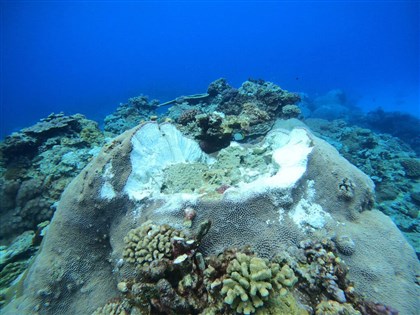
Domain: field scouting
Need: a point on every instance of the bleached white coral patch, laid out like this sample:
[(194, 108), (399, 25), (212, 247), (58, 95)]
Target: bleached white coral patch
[(290, 156), (107, 191), (154, 147), (307, 212), (175, 202)]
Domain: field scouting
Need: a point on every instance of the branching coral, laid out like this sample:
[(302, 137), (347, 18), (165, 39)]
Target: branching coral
[(149, 242), (322, 270), (250, 280)]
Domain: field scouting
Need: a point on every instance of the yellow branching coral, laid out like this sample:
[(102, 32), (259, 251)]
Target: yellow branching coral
[(149, 242), (250, 281)]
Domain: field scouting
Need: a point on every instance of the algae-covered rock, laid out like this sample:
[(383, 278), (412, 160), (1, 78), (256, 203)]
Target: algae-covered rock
[(129, 115), (21, 247), (322, 270), (412, 167), (184, 177), (37, 164), (286, 304), (11, 271)]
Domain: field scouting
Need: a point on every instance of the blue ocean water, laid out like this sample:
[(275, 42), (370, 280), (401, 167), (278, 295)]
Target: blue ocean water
[(88, 56)]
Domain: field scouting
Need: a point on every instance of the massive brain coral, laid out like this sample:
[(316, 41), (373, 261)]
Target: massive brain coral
[(299, 195)]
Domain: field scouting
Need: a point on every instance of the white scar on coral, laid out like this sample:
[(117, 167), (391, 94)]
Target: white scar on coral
[(154, 148), (291, 158)]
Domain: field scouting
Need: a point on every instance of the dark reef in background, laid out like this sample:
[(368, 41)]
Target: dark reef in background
[(36, 164), (401, 125), (335, 105)]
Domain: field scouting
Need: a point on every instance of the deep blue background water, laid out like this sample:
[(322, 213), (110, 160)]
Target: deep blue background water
[(88, 57)]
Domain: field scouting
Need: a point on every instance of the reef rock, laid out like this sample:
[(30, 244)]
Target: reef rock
[(37, 163), (225, 113), (290, 187), (129, 115)]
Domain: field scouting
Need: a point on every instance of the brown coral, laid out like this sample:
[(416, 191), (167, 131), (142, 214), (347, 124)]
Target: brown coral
[(187, 116)]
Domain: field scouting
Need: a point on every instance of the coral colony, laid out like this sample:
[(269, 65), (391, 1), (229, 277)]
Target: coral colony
[(226, 204)]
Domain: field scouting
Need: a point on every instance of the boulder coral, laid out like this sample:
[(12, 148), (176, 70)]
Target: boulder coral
[(297, 199)]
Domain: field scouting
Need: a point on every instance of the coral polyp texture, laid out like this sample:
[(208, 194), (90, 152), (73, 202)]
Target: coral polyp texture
[(335, 308), (270, 195), (113, 308)]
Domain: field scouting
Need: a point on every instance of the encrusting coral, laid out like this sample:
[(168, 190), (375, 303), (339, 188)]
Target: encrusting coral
[(149, 242), (335, 308), (116, 308)]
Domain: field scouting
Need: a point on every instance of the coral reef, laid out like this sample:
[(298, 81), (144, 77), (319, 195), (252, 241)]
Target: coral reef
[(391, 123), (116, 308), (411, 167), (323, 270), (36, 165), (377, 309), (234, 114), (335, 308), (289, 196), (15, 259), (188, 116), (332, 105)]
